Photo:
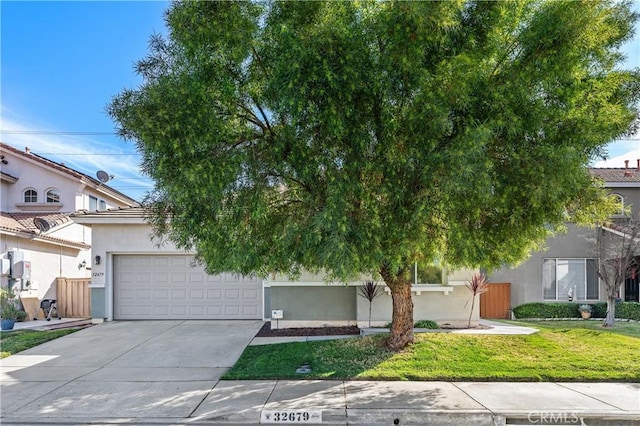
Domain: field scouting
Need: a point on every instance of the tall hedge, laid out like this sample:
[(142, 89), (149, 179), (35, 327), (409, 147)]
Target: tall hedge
[(624, 310)]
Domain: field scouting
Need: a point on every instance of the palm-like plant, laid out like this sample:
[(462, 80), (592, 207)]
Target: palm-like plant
[(370, 290), (478, 284)]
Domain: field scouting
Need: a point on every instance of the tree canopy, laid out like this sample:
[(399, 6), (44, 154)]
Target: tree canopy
[(365, 136)]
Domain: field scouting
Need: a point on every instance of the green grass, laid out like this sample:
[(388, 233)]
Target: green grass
[(12, 342), (561, 354), (626, 328)]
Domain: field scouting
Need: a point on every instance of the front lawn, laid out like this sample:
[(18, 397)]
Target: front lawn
[(627, 328), (12, 342), (553, 354)]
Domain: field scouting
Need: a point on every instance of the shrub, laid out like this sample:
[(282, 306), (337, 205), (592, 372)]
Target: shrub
[(426, 324), (599, 310), (624, 310), (547, 310), (628, 310)]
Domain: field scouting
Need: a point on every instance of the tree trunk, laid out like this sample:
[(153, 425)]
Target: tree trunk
[(609, 320), (402, 320), (473, 302)]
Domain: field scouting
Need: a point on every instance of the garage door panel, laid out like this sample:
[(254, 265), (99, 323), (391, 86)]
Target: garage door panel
[(171, 287)]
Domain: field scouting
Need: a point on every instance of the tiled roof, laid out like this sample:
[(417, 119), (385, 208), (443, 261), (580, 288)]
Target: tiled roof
[(133, 211), (71, 172), (616, 174), (23, 223)]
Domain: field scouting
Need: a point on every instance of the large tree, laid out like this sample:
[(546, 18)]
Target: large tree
[(361, 137)]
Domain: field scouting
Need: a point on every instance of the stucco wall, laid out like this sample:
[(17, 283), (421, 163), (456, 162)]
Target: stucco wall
[(47, 263), (328, 304), (526, 279), (436, 306)]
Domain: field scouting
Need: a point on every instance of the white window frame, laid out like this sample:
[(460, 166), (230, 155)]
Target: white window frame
[(24, 196), (54, 191), (586, 280)]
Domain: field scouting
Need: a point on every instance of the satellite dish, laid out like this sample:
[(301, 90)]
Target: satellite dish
[(103, 176), (41, 224)]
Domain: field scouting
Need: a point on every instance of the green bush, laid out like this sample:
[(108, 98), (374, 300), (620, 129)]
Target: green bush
[(419, 324), (624, 310), (547, 310), (599, 310), (426, 324), (628, 310)]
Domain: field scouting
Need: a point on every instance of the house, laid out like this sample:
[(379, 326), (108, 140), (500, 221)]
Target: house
[(133, 278), (566, 269), (39, 241)]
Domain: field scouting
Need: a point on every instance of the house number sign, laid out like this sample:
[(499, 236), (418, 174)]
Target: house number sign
[(290, 416)]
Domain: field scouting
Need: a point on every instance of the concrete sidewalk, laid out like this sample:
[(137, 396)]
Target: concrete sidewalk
[(350, 403)]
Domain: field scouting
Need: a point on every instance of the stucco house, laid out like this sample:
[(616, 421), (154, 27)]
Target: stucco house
[(566, 269), (138, 279), (39, 241)]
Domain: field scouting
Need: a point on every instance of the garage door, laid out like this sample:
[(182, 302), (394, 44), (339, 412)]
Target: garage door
[(168, 287)]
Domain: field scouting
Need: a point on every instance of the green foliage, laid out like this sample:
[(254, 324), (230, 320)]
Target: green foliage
[(624, 310), (426, 324), (344, 136), (428, 273), (13, 342), (8, 308), (628, 310), (547, 310)]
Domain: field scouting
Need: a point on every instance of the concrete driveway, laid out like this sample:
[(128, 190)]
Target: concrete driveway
[(134, 370)]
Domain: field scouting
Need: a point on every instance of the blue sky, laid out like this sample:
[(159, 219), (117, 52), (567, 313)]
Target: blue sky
[(62, 62)]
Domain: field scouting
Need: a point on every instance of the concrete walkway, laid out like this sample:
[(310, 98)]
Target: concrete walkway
[(167, 372)]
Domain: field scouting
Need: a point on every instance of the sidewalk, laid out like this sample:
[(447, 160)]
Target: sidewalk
[(377, 403)]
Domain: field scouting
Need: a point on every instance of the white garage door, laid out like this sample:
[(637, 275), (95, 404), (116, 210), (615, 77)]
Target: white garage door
[(168, 287)]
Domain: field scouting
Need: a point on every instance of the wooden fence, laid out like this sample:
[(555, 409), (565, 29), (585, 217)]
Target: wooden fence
[(496, 302), (74, 297)]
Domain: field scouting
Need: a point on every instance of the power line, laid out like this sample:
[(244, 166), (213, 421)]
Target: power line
[(76, 154), (51, 132)]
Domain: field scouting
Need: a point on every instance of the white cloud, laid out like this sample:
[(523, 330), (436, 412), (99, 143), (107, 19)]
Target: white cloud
[(87, 154), (618, 161)]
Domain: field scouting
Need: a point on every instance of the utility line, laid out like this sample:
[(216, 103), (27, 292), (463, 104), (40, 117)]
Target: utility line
[(51, 132)]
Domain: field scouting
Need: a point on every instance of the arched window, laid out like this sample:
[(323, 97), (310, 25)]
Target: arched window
[(619, 200), (53, 196), (30, 196)]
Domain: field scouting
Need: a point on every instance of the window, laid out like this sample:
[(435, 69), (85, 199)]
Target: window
[(426, 273), (53, 196), (570, 279), (102, 205), (93, 203), (619, 200), (30, 196)]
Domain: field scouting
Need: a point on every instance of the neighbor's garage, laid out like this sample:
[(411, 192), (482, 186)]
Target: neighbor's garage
[(168, 287)]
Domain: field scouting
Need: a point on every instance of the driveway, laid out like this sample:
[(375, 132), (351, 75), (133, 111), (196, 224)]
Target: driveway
[(131, 369)]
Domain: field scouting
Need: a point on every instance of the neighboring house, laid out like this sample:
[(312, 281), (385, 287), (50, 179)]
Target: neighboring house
[(566, 269), (133, 278), (39, 242)]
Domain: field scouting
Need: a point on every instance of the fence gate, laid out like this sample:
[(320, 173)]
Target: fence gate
[(74, 297), (496, 302)]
